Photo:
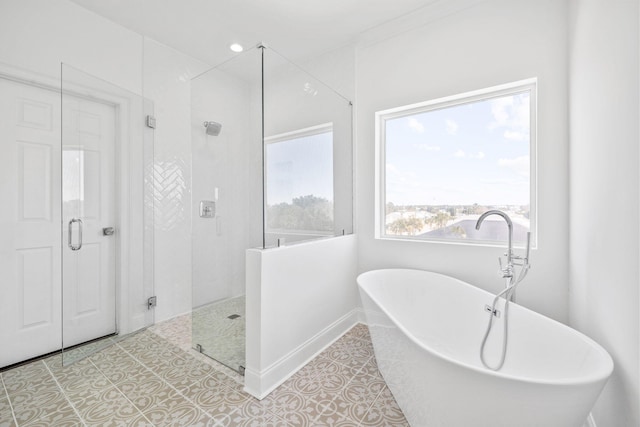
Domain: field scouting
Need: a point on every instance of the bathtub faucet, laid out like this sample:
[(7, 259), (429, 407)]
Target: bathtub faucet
[(509, 292), (507, 272)]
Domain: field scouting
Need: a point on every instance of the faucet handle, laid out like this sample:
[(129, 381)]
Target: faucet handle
[(504, 272)]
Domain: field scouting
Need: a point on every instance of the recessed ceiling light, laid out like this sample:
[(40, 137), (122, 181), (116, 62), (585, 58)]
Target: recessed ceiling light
[(236, 47)]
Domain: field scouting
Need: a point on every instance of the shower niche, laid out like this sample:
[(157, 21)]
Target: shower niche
[(272, 165)]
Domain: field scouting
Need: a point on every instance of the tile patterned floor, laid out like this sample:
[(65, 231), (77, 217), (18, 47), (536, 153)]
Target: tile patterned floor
[(146, 380)]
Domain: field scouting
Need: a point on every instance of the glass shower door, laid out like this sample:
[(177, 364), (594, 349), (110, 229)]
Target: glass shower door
[(88, 214), (102, 124), (227, 202)]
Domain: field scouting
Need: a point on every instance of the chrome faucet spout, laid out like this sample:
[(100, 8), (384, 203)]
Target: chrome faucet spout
[(509, 225)]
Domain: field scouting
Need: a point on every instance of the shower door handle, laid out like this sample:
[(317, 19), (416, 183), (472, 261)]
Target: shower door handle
[(70, 235)]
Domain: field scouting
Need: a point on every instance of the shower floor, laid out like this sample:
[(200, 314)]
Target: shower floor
[(219, 329)]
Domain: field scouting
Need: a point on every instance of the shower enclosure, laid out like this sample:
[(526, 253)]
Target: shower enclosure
[(272, 165), (77, 229)]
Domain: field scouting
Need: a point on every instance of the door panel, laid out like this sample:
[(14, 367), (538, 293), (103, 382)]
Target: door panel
[(88, 144), (29, 222), (34, 255)]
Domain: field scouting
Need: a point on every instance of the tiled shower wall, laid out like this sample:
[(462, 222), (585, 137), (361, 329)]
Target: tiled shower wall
[(167, 77)]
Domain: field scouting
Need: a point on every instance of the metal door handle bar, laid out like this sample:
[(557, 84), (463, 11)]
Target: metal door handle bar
[(70, 234)]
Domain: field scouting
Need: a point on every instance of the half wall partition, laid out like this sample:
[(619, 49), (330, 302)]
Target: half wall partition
[(272, 165)]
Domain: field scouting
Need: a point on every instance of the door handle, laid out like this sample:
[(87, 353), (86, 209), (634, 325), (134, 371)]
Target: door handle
[(70, 235), (108, 231)]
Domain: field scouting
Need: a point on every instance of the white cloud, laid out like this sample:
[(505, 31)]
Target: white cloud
[(460, 154), (511, 112), (451, 126), (426, 147), (514, 135), (416, 125), (519, 165), (500, 110)]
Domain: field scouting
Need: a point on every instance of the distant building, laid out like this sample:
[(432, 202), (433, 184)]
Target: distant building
[(491, 230)]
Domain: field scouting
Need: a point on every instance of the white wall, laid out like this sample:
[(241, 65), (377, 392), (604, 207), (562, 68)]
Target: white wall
[(299, 300), (39, 34), (604, 92), (495, 42)]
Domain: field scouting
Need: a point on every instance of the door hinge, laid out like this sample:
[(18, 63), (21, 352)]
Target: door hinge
[(152, 302), (151, 122)]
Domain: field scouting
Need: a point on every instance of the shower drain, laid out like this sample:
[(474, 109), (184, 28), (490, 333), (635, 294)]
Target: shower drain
[(233, 316)]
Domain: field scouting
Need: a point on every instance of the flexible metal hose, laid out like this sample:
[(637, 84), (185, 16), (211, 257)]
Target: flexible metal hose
[(507, 292)]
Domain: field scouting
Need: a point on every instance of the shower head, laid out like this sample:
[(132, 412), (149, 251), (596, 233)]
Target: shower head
[(213, 128)]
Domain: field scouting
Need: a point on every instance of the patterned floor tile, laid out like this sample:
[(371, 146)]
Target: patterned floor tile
[(240, 420), (81, 380), (299, 409), (221, 337), (109, 407), (360, 331), (29, 406), (178, 412), (384, 411), (144, 380), (139, 421), (356, 398), (183, 375), (332, 419), (370, 368), (6, 415), (35, 384), (63, 418), (116, 365), (25, 376), (145, 390)]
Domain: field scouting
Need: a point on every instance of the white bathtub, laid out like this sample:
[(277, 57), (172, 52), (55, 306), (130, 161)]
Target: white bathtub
[(427, 329)]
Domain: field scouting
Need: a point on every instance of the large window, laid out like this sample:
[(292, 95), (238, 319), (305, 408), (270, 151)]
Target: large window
[(445, 162), (299, 177)]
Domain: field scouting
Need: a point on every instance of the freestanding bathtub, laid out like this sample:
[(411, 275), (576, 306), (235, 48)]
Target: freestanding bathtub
[(427, 329)]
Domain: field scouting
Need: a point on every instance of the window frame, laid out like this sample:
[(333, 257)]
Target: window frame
[(527, 85)]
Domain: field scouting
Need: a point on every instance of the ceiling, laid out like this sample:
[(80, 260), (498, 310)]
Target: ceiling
[(299, 29)]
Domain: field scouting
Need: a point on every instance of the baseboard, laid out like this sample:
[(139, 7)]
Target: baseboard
[(260, 383), (591, 422)]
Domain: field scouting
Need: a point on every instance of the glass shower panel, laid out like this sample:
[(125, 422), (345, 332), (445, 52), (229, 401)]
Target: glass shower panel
[(308, 155), (226, 108), (103, 213)]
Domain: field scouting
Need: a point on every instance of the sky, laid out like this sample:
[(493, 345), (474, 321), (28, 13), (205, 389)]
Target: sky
[(299, 167), (464, 154)]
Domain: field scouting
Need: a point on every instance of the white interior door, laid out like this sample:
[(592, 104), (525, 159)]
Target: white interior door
[(88, 210), (30, 277), (42, 188)]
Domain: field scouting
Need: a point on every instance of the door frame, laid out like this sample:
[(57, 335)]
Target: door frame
[(131, 311)]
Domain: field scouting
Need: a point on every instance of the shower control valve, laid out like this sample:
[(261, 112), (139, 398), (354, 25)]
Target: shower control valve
[(207, 209)]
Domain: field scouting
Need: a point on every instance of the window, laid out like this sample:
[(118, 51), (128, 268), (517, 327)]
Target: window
[(443, 163), (299, 177)]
